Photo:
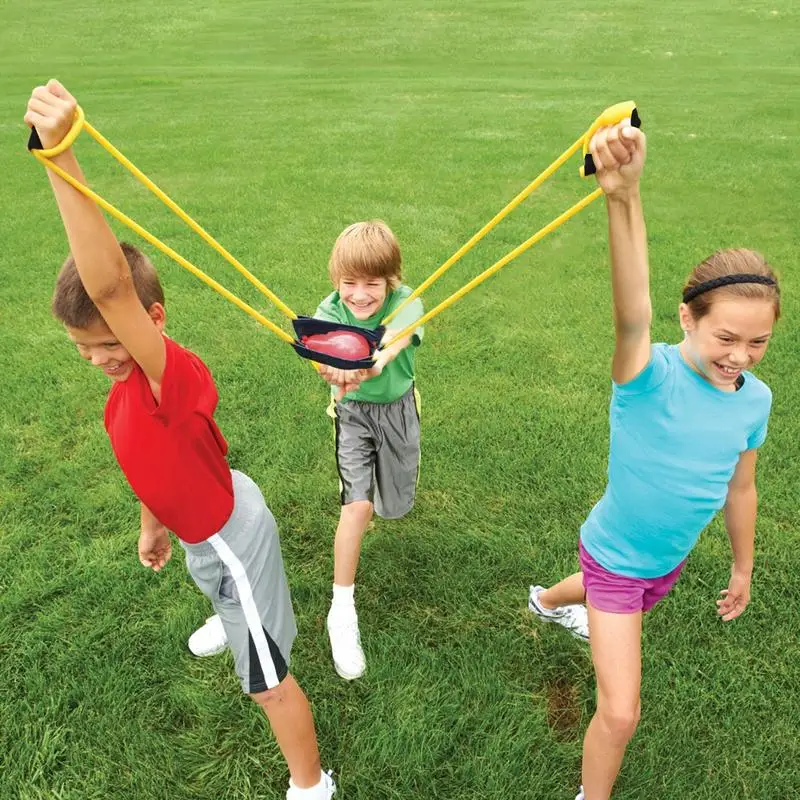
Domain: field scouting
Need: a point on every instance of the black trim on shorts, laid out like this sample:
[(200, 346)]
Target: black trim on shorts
[(419, 460), (258, 683), (336, 455)]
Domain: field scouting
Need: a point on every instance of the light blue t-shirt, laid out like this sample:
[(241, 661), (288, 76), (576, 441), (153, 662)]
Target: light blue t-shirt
[(675, 442)]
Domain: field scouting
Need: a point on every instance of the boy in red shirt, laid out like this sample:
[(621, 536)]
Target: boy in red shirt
[(159, 418)]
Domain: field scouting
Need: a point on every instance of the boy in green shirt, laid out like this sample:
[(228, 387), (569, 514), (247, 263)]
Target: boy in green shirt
[(376, 414)]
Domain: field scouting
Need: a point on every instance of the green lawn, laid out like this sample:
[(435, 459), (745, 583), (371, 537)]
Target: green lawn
[(275, 125)]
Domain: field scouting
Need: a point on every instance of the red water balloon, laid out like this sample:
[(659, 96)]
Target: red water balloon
[(339, 344)]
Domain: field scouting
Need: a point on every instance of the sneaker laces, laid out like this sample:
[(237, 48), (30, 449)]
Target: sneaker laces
[(575, 616)]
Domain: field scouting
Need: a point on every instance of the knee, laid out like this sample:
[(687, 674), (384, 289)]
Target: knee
[(358, 511), (620, 722), (272, 697)]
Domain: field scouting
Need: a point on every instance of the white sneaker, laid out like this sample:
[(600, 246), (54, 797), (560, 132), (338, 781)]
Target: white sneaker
[(210, 639), (573, 617), (581, 795), (324, 790), (348, 657)]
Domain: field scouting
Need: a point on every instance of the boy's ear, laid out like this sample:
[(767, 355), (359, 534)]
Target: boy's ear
[(158, 314)]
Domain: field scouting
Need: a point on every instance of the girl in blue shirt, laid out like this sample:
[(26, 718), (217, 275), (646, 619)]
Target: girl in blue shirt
[(686, 424)]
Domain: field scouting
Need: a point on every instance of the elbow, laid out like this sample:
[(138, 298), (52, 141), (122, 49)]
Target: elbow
[(742, 493), (111, 292), (633, 320)]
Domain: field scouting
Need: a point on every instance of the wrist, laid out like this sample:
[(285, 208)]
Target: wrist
[(384, 357), (743, 567), (624, 196)]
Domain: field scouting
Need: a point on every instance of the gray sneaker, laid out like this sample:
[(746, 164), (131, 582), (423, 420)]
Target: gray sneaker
[(581, 795), (573, 617)]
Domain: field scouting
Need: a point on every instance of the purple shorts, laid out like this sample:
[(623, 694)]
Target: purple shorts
[(619, 594)]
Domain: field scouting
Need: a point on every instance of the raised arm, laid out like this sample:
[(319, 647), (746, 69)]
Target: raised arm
[(101, 264), (619, 155)]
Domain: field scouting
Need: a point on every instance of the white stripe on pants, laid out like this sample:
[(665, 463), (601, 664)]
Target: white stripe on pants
[(249, 607)]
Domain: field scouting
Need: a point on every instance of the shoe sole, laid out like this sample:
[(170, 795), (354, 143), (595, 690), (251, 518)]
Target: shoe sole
[(348, 676), (209, 653)]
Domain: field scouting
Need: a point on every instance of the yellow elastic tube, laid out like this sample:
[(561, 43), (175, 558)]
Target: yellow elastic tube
[(126, 220), (611, 116), (465, 248), (179, 212), (497, 266)]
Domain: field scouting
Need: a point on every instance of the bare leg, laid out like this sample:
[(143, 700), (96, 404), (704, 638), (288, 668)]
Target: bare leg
[(564, 593), (354, 519), (342, 622), (290, 717), (616, 653)]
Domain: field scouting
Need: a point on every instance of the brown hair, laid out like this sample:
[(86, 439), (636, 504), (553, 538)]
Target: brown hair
[(73, 307), (724, 263), (366, 249)]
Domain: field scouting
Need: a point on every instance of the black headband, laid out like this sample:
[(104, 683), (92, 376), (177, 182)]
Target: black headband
[(726, 280)]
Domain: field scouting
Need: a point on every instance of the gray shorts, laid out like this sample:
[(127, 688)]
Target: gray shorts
[(240, 570), (377, 453)]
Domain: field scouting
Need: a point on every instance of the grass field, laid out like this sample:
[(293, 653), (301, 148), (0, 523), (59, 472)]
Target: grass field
[(275, 125)]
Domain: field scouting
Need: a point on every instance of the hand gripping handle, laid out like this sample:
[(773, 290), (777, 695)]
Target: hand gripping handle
[(35, 143), (611, 116)]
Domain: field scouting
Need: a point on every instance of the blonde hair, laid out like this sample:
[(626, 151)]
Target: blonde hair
[(72, 306), (366, 249), (727, 263)]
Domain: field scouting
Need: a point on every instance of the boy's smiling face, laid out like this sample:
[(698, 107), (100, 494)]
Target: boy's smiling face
[(98, 345), (364, 296)]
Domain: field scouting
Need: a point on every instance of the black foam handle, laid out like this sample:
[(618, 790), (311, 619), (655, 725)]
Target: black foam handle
[(588, 163), (34, 142)]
